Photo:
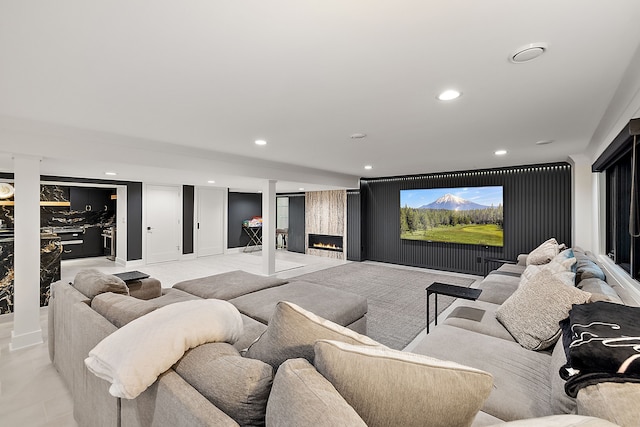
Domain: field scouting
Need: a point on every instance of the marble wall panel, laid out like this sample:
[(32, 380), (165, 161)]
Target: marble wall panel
[(50, 255)]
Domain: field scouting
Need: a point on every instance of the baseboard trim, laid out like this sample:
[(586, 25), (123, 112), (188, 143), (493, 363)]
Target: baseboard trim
[(29, 339)]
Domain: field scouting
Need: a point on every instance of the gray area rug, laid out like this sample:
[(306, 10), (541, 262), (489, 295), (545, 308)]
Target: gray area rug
[(396, 297)]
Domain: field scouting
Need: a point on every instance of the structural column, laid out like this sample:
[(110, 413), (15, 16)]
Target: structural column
[(26, 258), (269, 228), (583, 219)]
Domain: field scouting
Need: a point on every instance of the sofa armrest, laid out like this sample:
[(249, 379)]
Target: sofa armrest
[(171, 401), (522, 259)]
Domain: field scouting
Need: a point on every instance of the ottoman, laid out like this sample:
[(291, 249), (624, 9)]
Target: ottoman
[(343, 308)]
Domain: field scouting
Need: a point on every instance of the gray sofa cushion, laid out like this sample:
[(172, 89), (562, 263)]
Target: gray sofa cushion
[(532, 313), (301, 396), (92, 282), (340, 307), (478, 316), (599, 290), (292, 333), (229, 285), (389, 387), (496, 288), (122, 309), (521, 377), (237, 385), (561, 403)]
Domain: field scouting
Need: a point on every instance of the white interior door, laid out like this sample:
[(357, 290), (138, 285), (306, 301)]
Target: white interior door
[(163, 223), (210, 221)]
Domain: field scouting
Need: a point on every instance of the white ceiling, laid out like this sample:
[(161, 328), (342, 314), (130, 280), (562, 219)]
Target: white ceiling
[(191, 85)]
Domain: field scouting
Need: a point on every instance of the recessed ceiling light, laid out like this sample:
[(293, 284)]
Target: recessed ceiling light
[(261, 142), (544, 142), (111, 173), (528, 52), (358, 135), (500, 152), (301, 189), (449, 95), (368, 167), (211, 182)]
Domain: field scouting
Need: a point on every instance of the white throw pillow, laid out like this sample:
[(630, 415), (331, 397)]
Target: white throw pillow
[(544, 253), (562, 268)]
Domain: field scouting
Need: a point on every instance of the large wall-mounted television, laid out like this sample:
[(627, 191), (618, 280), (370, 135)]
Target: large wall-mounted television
[(467, 215)]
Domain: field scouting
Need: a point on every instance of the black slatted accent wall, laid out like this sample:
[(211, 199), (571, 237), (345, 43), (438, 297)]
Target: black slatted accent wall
[(537, 205), (354, 227), (295, 242)]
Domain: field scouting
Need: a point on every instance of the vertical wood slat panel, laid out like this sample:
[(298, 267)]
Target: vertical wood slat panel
[(537, 205)]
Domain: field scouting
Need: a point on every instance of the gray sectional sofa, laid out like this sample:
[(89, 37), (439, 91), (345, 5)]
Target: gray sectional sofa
[(301, 369), (96, 305), (527, 383)]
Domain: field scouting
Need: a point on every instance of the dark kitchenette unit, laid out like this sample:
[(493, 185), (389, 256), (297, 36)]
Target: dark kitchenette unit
[(75, 223)]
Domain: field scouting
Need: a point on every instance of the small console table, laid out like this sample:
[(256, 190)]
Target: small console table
[(438, 288), (131, 276)]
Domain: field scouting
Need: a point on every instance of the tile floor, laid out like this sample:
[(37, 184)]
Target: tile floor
[(32, 394)]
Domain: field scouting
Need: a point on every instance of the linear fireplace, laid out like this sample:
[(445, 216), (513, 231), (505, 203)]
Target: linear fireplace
[(325, 242)]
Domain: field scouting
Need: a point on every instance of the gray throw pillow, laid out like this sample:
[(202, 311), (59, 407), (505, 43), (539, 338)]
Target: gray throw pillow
[(301, 396), (238, 386), (532, 313), (600, 291), (92, 282), (395, 388), (292, 332)]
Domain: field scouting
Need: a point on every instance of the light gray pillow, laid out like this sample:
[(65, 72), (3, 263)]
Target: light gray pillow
[(394, 388), (532, 313), (544, 253), (238, 386), (559, 267), (92, 282), (292, 331), (301, 396)]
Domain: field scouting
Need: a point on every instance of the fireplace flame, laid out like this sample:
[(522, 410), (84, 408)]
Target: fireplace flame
[(327, 246)]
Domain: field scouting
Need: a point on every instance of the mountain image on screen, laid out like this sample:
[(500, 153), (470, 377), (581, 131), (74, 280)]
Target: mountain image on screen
[(469, 215), (450, 202)]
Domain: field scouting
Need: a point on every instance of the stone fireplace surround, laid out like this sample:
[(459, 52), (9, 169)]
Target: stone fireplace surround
[(326, 214)]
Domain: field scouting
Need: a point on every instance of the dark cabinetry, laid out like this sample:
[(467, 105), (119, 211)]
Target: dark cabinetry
[(91, 199)]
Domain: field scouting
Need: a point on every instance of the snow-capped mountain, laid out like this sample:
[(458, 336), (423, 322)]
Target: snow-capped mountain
[(453, 203)]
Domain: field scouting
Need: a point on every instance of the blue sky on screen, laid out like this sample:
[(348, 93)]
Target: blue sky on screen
[(481, 195)]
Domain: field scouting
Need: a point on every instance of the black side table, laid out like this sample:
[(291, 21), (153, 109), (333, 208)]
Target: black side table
[(438, 288), (131, 276)]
